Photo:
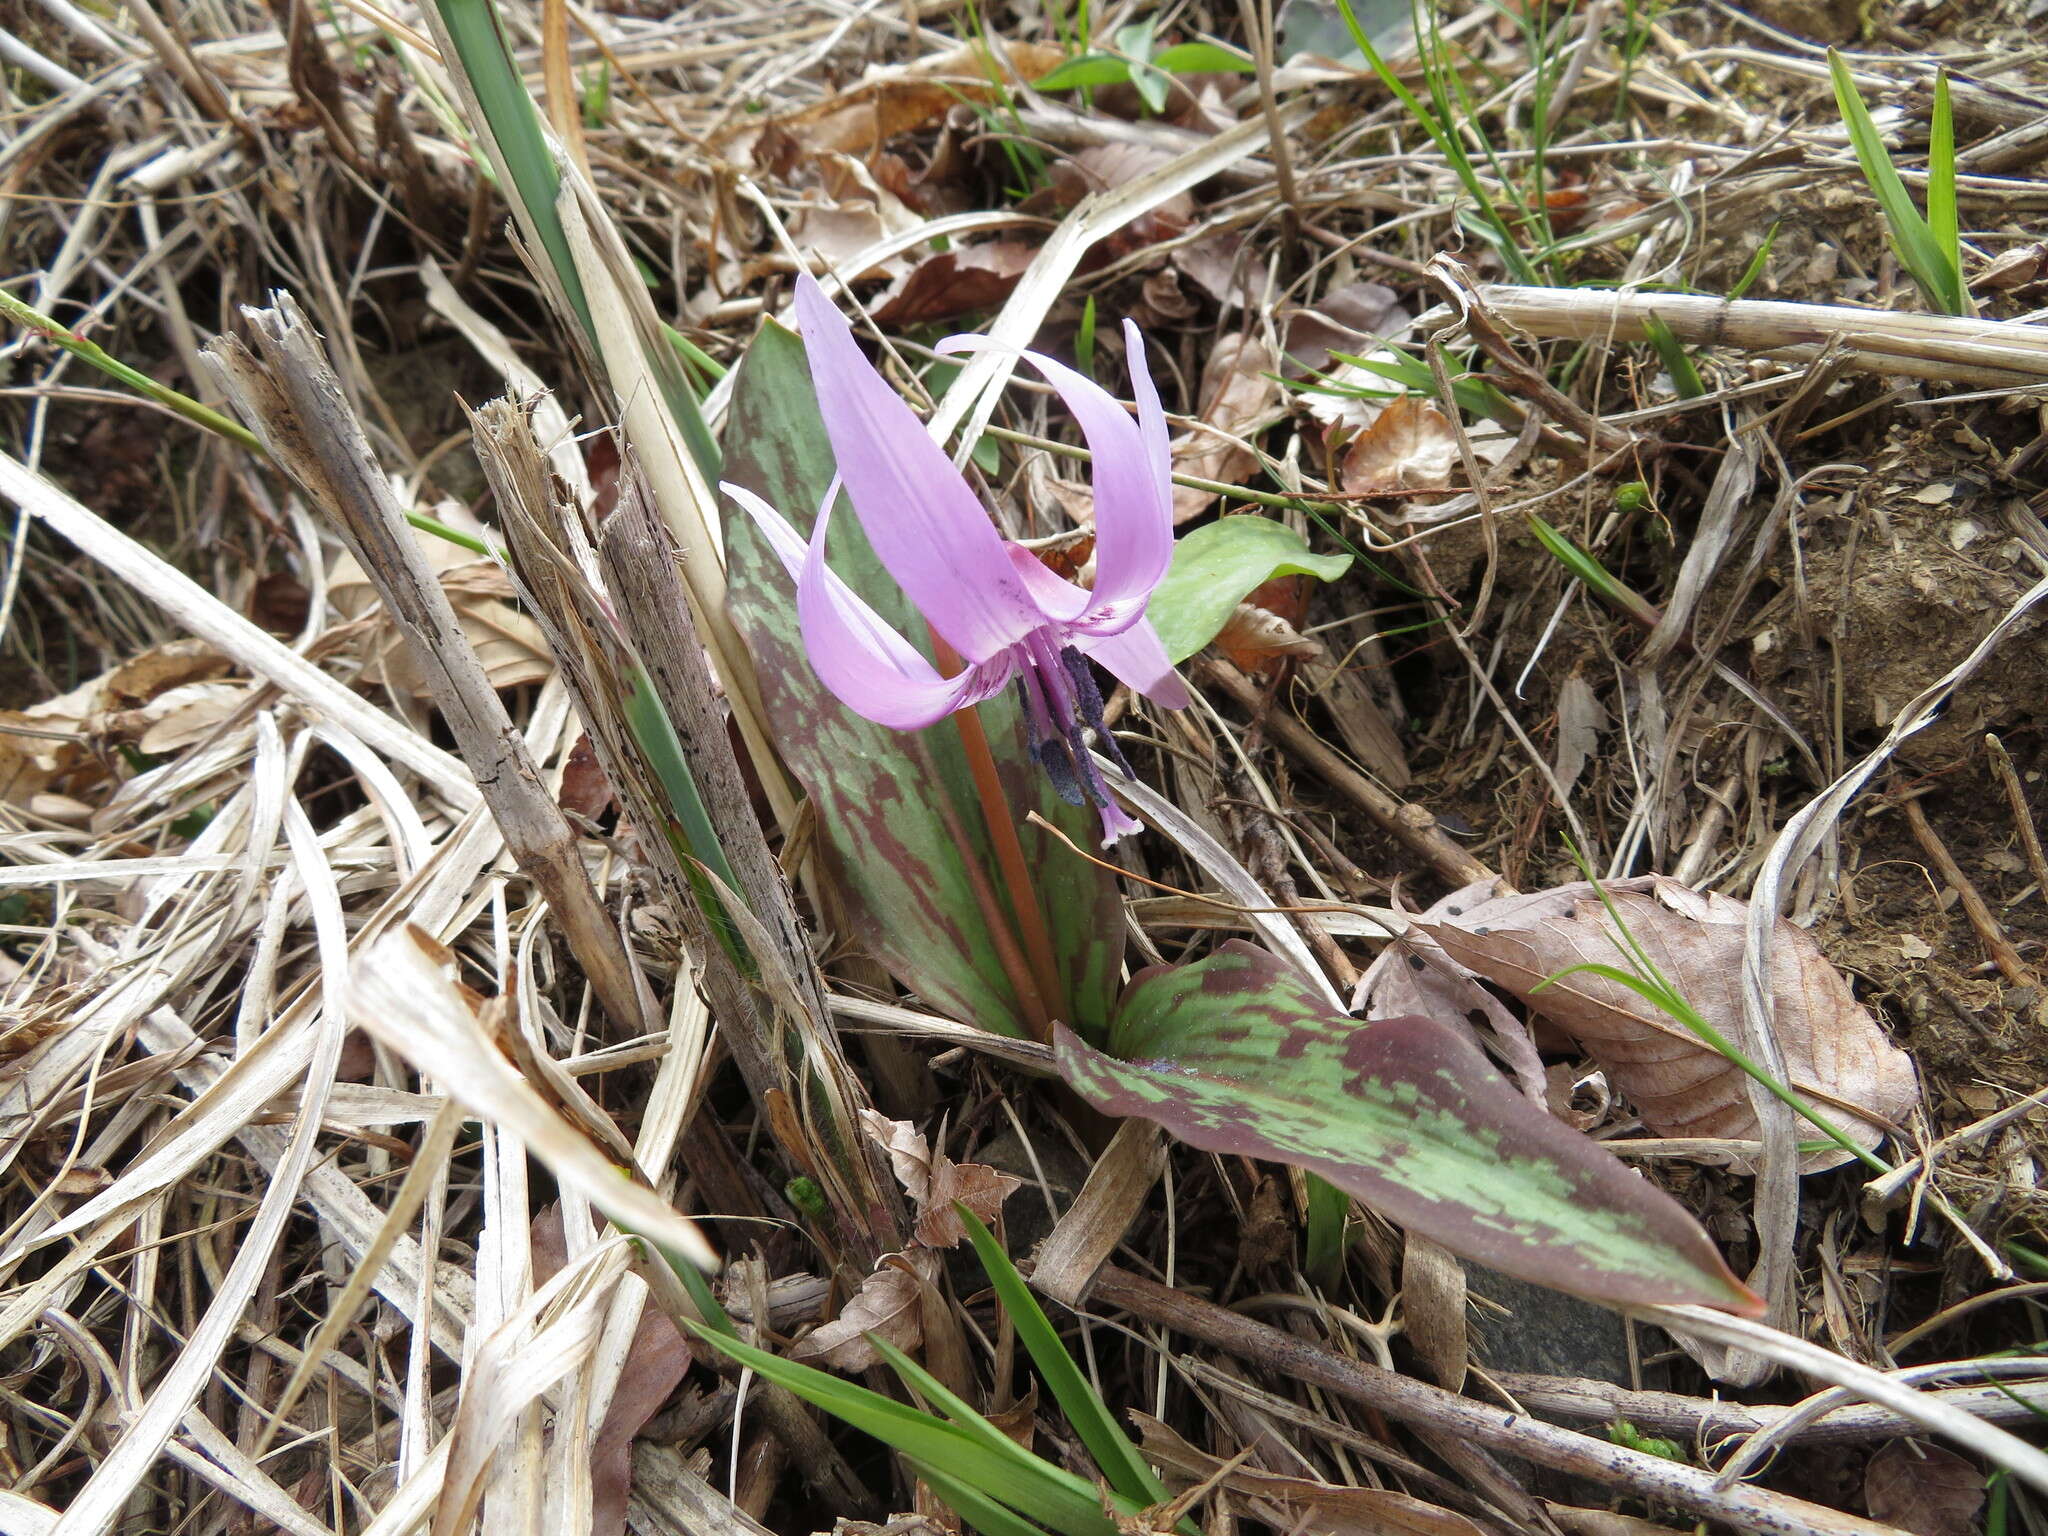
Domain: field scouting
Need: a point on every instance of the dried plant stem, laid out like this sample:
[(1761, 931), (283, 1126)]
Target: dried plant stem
[(1009, 851), (1412, 825), (1989, 933), (2022, 814), (299, 409), (1401, 1397)]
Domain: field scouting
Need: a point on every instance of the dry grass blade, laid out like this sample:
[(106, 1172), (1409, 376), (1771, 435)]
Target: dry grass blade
[(406, 995)]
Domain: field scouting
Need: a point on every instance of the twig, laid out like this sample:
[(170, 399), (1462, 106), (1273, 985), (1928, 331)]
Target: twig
[(1411, 825), (1400, 1397), (2022, 814), (1989, 933)]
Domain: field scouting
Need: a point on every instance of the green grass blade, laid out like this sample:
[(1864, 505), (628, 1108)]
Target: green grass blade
[(1684, 377), (1659, 994), (514, 125), (1494, 228), (1755, 269), (973, 1506), (1944, 224), (1114, 1454), (512, 120), (1058, 1498), (1911, 236), (200, 415), (1329, 1209), (1590, 571)]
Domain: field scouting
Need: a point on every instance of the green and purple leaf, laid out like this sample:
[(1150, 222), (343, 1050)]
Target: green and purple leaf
[(897, 810), (1236, 1054)]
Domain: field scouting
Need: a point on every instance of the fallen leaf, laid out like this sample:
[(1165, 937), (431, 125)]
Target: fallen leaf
[(586, 792), (2014, 268), (1216, 266), (1925, 1489), (1410, 446), (510, 645), (1103, 168), (888, 1305), (893, 101), (1834, 1050), (954, 282), (933, 1183), (1353, 319), (1580, 720), (60, 741), (1238, 397)]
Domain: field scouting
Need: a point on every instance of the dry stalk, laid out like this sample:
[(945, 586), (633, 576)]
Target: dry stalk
[(293, 400), (1413, 1402), (1984, 353)]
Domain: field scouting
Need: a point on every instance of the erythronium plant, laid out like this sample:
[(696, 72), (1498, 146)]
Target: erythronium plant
[(1008, 617)]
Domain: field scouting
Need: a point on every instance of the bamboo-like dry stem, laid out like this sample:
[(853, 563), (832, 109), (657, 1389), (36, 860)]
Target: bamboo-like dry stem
[(298, 408), (1982, 353)]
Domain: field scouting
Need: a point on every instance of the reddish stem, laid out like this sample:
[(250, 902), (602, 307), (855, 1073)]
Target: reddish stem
[(1009, 849)]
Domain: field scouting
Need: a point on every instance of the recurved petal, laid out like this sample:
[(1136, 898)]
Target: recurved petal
[(1054, 595), (1136, 657), (870, 668), (787, 543), (924, 522), (1132, 479)]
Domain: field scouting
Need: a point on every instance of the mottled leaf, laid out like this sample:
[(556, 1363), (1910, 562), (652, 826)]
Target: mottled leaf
[(1235, 1054), (1216, 566), (897, 810)]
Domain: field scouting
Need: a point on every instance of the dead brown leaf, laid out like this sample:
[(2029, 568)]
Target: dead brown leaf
[(953, 283), (889, 102), (1103, 168), (60, 741), (1834, 1050), (1924, 1489), (510, 645), (1416, 976), (1238, 397), (1353, 319), (887, 1305), (1410, 446), (933, 1183)]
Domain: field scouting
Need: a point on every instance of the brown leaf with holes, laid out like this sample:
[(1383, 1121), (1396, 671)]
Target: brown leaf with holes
[(1238, 397), (889, 1304), (1410, 446), (1835, 1053), (1925, 1489), (955, 282)]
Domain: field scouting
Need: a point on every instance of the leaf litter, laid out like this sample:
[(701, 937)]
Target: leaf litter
[(190, 818)]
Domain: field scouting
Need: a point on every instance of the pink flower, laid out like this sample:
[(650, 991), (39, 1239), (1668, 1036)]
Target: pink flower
[(1010, 618)]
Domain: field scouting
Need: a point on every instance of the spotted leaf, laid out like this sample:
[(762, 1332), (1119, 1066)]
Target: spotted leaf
[(1235, 1054)]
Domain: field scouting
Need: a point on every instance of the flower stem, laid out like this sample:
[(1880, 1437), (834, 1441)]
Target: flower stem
[(1009, 850)]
